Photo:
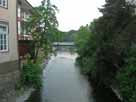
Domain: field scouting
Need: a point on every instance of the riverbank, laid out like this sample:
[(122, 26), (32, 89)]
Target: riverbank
[(103, 90), (24, 94), (28, 86), (104, 93)]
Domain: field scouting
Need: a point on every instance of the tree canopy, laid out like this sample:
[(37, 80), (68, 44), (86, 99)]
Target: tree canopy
[(42, 25), (106, 52)]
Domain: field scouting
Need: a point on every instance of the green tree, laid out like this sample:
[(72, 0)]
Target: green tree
[(59, 36), (127, 76), (42, 25), (109, 54), (82, 37), (69, 36), (116, 16), (109, 40)]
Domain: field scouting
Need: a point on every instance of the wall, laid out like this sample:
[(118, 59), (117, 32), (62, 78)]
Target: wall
[(9, 16), (9, 71)]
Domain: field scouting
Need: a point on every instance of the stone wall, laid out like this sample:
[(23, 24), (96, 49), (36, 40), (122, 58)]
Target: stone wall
[(9, 74)]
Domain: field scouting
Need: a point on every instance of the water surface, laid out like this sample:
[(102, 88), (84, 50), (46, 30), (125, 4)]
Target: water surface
[(62, 82)]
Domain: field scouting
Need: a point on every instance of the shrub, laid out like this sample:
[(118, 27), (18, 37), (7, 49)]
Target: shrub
[(127, 78), (31, 74)]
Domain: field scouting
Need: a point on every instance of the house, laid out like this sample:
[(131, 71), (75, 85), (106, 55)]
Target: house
[(24, 12), (9, 70)]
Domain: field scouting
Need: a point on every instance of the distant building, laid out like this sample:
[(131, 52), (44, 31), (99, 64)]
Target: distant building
[(8, 50)]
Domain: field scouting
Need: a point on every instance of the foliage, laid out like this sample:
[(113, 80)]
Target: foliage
[(81, 37), (59, 36), (31, 74), (69, 36), (127, 77), (42, 25), (86, 58), (105, 52)]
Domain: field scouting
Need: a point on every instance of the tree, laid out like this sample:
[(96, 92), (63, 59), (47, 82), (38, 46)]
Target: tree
[(109, 53), (107, 42), (116, 16), (59, 36), (82, 37), (69, 36), (41, 25)]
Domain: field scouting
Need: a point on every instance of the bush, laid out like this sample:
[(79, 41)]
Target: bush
[(31, 74), (127, 83), (127, 78)]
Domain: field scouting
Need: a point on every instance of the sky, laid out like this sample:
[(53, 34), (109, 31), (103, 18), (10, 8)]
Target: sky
[(74, 13)]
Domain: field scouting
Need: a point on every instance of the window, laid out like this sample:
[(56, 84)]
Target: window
[(3, 3), (3, 37)]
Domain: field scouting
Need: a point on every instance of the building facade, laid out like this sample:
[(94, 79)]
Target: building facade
[(24, 10), (9, 70)]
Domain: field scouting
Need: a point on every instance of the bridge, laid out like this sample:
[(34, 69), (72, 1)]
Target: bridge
[(64, 46)]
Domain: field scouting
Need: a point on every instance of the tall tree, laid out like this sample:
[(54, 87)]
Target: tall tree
[(110, 50), (41, 25), (117, 11)]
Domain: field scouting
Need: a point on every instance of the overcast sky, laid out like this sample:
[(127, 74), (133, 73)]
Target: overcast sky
[(74, 13)]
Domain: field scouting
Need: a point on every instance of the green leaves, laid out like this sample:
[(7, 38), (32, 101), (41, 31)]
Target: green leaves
[(127, 83), (127, 77), (107, 51), (42, 25), (82, 37), (32, 75)]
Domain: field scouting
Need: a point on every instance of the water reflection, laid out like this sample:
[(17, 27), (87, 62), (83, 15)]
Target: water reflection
[(102, 93)]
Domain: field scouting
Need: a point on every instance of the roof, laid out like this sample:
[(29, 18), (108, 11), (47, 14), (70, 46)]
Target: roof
[(25, 5), (29, 4)]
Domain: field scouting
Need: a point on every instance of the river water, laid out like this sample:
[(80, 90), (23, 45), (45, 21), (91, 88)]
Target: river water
[(62, 82)]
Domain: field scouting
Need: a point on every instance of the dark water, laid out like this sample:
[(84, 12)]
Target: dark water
[(35, 97), (104, 94), (62, 82)]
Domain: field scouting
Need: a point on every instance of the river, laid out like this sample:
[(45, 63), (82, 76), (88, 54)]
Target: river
[(62, 82)]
